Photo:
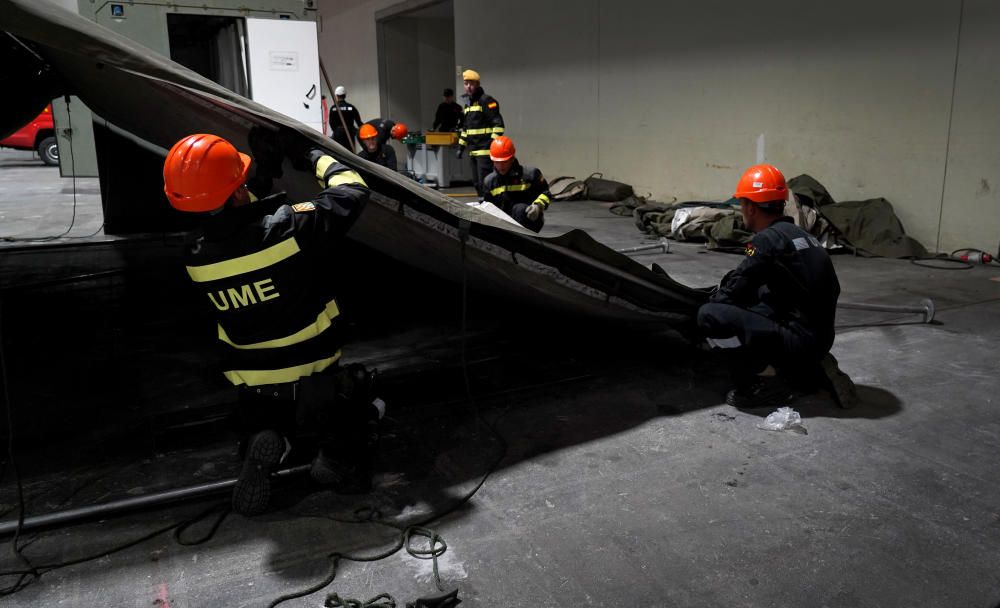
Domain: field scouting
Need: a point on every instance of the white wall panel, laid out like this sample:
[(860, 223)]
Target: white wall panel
[(284, 68)]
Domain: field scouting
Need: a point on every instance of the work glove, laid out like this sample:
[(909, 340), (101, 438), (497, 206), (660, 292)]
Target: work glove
[(458, 153), (534, 211), (314, 155), (265, 148)]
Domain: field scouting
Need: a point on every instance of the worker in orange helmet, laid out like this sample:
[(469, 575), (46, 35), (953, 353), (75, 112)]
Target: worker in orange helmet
[(777, 308), (263, 269), (372, 148), (388, 129), (519, 191)]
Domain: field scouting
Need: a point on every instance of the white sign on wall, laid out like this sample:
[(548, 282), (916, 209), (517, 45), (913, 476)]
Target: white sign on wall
[(284, 68), (285, 61)]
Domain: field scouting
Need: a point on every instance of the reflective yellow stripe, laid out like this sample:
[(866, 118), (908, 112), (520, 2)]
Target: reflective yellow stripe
[(461, 141), (478, 131), (543, 200), (479, 153), (345, 177), (475, 108), (255, 377), (244, 264), (498, 130), (322, 165), (511, 188), (323, 320)]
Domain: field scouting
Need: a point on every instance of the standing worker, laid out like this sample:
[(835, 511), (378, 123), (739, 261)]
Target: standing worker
[(372, 148), (777, 307), (449, 114), (481, 123), (264, 268), (519, 191), (344, 133)]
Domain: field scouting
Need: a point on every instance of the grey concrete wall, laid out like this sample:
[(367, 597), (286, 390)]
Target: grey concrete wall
[(348, 48), (672, 97), (422, 55), (971, 213), (401, 92), (436, 49)]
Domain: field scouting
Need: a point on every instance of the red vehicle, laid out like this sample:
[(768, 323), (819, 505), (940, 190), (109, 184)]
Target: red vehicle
[(38, 135)]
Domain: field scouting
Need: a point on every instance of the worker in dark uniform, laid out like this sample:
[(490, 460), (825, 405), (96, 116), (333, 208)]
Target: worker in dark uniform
[(481, 124), (344, 133), (449, 114), (519, 191), (777, 308), (372, 149), (388, 129), (264, 268)]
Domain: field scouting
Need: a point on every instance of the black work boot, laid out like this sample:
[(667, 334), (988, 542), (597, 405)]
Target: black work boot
[(838, 383), (347, 475), (252, 492), (762, 392)]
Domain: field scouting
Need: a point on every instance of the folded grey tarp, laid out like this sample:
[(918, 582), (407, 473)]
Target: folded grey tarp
[(159, 101)]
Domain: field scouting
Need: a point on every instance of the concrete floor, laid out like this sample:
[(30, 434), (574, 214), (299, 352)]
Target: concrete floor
[(624, 480), (35, 204)]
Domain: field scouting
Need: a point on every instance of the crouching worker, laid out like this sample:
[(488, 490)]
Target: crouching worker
[(777, 308), (519, 191), (374, 149), (264, 267)]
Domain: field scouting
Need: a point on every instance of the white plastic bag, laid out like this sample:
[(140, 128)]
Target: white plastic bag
[(783, 419)]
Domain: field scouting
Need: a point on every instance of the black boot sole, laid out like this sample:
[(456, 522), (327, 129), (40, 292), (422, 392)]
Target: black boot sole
[(252, 492)]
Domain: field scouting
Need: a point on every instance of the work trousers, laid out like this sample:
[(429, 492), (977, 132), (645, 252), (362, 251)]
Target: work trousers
[(324, 411), (481, 167), (750, 341), (344, 138)]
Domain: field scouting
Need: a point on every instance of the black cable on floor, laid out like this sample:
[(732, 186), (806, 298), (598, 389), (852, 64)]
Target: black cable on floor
[(29, 575), (437, 545), (33, 572), (942, 259)]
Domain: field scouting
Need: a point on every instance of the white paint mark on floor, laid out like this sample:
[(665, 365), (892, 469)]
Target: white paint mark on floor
[(450, 568)]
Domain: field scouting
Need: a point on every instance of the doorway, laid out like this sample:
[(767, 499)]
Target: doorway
[(213, 46), (416, 48)]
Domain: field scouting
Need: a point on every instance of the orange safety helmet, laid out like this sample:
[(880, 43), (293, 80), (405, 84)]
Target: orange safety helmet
[(367, 132), (398, 131), (502, 148), (762, 184), (201, 172)]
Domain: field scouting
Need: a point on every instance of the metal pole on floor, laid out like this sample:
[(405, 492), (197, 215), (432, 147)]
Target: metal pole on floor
[(80, 514), (926, 308), (663, 245)]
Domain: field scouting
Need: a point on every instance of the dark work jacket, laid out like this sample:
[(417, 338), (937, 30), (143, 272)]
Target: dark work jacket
[(481, 123), (267, 272), (384, 127), (786, 276), (351, 116), (448, 117), (522, 184), (385, 155)]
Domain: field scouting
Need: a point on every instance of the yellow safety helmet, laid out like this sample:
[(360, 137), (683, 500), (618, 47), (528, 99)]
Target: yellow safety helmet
[(471, 75)]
